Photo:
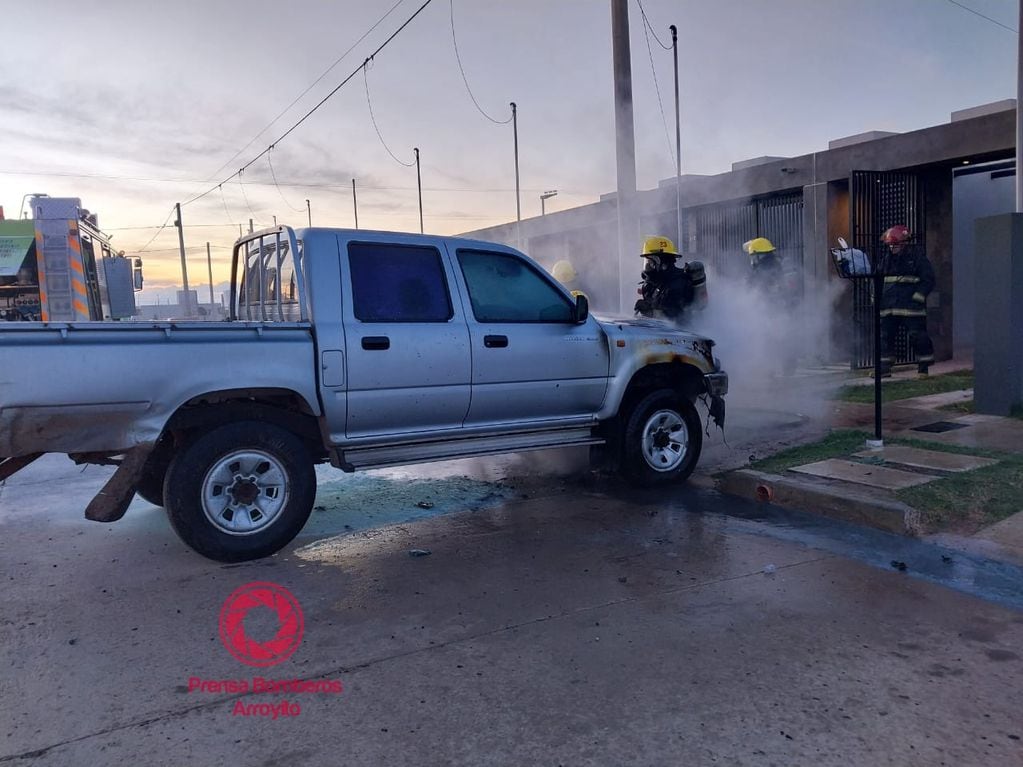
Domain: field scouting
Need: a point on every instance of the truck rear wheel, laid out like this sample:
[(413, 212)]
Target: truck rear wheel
[(662, 439), (241, 491)]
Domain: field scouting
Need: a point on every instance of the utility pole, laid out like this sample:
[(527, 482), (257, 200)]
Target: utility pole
[(239, 230), (309, 211), (625, 142), (251, 230), (515, 134), (419, 186), (209, 266), (275, 220), (184, 266), (355, 204), (678, 141)]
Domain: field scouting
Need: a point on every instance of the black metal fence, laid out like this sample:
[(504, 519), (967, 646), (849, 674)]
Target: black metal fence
[(879, 200), (715, 233)]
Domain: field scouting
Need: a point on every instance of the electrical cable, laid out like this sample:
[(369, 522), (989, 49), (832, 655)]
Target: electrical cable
[(978, 13), (369, 103), (646, 22), (465, 80), (245, 196), (298, 98), (657, 87), (278, 186), (223, 199), (319, 104), (157, 234)]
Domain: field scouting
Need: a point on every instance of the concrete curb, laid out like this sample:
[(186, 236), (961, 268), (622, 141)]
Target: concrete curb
[(829, 499)]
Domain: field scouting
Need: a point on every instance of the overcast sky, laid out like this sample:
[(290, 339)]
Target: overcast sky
[(133, 105)]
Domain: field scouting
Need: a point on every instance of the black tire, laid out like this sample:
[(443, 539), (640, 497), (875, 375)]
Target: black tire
[(661, 416), (149, 486), (227, 470)]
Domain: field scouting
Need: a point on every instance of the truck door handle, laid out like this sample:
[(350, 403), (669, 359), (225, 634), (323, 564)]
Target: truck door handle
[(376, 343), (495, 342)]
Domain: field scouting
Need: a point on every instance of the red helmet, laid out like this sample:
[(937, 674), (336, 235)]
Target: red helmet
[(896, 234)]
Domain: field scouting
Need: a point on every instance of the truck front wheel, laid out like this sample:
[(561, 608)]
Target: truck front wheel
[(662, 439), (241, 491)]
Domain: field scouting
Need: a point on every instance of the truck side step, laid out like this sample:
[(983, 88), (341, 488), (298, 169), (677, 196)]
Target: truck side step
[(423, 452)]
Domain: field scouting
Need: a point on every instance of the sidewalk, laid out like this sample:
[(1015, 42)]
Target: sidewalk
[(943, 473)]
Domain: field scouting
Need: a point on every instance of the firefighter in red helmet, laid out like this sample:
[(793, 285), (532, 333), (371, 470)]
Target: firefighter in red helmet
[(909, 278)]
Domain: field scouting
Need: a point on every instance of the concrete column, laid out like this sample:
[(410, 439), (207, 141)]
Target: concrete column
[(998, 346), (816, 255)]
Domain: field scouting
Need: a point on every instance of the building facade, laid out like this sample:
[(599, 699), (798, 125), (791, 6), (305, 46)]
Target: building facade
[(855, 189)]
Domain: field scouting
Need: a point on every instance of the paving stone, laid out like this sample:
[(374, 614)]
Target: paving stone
[(927, 459), (863, 474)]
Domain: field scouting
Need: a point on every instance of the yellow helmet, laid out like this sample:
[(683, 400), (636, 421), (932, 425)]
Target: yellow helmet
[(563, 271), (758, 245), (654, 246)]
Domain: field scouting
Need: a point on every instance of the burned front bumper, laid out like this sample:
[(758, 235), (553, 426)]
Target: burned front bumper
[(716, 384)]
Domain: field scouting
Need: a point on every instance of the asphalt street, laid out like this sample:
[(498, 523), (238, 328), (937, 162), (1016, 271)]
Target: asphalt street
[(550, 617)]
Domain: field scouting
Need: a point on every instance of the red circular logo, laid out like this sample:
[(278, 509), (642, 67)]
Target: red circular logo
[(290, 622)]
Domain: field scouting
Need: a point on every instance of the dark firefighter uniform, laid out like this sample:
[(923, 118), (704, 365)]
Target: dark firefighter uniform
[(909, 278), (666, 291), (768, 277)]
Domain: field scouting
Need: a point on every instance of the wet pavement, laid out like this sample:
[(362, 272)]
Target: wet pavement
[(556, 619)]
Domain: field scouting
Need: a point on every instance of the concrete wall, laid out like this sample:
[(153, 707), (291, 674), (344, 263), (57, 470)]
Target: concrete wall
[(998, 351), (977, 191)]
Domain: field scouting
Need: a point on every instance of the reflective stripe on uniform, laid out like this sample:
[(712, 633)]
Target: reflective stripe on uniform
[(900, 279), (919, 297), (928, 358), (904, 312)]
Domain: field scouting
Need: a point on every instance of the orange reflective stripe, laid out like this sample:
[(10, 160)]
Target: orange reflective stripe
[(80, 307), (79, 288), (77, 266), (74, 244)]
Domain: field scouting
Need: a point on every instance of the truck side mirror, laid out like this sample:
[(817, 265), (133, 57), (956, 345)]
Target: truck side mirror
[(582, 309)]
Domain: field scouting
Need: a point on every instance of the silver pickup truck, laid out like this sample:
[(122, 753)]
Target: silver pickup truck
[(364, 349)]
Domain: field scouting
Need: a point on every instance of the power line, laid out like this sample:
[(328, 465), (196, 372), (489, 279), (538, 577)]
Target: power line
[(461, 69), (647, 24), (157, 234), (647, 31), (315, 82), (294, 184), (978, 13), (369, 103), (322, 101), (274, 177)]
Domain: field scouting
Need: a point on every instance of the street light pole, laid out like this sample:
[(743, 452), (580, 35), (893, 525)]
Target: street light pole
[(355, 204), (544, 197), (515, 135), (419, 186), (678, 139)]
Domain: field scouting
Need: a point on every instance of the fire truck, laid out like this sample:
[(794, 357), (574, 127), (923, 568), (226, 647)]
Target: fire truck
[(57, 266)]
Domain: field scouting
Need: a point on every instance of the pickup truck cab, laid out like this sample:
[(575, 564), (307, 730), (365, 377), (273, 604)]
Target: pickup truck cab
[(361, 348)]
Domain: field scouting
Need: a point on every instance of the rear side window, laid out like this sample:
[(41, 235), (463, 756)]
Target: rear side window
[(398, 283), (503, 288)]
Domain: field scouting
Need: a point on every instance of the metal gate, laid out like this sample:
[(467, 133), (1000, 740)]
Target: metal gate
[(879, 200), (715, 233)]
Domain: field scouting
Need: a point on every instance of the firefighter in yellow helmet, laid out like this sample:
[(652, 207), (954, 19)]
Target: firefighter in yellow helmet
[(665, 290), (780, 290), (565, 273), (766, 273)]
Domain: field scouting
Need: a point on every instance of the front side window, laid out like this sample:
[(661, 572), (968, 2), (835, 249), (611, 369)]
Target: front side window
[(504, 288), (398, 283)]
